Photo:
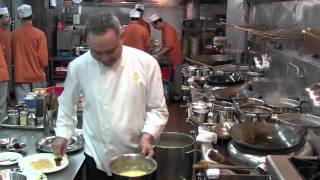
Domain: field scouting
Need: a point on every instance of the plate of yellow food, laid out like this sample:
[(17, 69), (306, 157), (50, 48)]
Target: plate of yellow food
[(44, 162)]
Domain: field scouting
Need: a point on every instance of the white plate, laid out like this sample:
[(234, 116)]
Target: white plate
[(10, 158), (26, 162)]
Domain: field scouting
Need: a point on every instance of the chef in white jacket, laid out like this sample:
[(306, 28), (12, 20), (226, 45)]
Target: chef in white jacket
[(124, 108)]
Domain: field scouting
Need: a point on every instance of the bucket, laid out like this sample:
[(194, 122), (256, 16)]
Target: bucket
[(174, 155), (133, 167)]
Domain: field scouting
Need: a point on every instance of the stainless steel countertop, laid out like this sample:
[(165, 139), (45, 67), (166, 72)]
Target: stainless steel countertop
[(29, 137)]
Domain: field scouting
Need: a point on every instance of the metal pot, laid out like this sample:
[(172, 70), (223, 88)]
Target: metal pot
[(199, 111), (224, 111), (265, 136), (174, 154), (133, 167), (192, 71), (253, 113), (282, 105), (9, 175)]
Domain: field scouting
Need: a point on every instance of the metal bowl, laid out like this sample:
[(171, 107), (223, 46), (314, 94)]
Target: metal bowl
[(132, 167)]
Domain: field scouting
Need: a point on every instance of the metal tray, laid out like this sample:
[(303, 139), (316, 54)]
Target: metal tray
[(76, 143), (5, 123)]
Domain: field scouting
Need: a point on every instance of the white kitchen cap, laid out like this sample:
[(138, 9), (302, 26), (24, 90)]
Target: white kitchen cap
[(154, 17), (4, 10), (139, 6), (135, 14), (24, 10)]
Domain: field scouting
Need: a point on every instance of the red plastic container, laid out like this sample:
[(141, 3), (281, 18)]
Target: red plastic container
[(166, 73), (56, 89)]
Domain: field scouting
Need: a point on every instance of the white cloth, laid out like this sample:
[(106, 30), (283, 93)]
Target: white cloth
[(154, 17), (205, 136), (24, 10), (139, 6), (119, 104), (135, 14), (4, 10), (213, 173)]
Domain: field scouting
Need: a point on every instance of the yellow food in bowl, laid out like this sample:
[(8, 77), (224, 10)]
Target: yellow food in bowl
[(42, 164), (133, 173)]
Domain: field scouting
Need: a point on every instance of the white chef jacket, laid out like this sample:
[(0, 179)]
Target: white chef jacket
[(119, 104)]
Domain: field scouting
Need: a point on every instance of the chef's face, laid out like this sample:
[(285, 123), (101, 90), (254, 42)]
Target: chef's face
[(5, 19), (105, 48), (155, 25)]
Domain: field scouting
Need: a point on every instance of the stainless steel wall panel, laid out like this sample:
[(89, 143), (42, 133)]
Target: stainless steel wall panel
[(236, 12), (308, 13)]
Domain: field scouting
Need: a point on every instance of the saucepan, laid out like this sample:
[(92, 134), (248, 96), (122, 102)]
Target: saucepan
[(266, 136)]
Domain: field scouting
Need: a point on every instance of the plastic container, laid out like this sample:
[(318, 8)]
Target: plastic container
[(56, 89)]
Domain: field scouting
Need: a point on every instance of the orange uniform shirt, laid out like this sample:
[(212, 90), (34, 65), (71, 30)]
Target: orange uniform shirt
[(5, 43), (29, 54), (170, 39), (4, 59), (136, 36), (145, 24)]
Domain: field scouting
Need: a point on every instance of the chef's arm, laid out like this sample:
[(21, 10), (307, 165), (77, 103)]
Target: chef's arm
[(162, 52), (67, 120), (156, 109)]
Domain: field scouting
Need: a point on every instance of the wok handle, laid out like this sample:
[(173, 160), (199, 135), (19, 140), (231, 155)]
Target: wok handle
[(301, 107)]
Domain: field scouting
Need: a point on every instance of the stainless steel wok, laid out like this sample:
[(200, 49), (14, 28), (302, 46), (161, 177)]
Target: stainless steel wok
[(265, 136), (215, 60), (301, 120), (228, 94), (282, 105)]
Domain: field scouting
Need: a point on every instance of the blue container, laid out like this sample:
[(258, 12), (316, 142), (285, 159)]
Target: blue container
[(31, 103)]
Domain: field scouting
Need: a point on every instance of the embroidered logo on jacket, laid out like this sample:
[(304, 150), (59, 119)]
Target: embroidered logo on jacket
[(135, 78)]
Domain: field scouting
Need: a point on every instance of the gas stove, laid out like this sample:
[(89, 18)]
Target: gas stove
[(284, 167)]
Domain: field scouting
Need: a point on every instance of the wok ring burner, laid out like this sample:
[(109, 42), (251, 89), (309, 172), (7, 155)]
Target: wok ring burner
[(252, 158)]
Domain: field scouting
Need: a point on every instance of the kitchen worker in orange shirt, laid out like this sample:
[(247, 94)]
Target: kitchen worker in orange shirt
[(4, 61), (143, 22), (135, 35), (170, 49), (29, 54)]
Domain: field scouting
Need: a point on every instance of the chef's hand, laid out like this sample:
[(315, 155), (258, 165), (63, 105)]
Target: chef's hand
[(59, 146), (146, 146)]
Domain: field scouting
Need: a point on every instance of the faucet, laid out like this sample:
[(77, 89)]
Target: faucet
[(299, 73)]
